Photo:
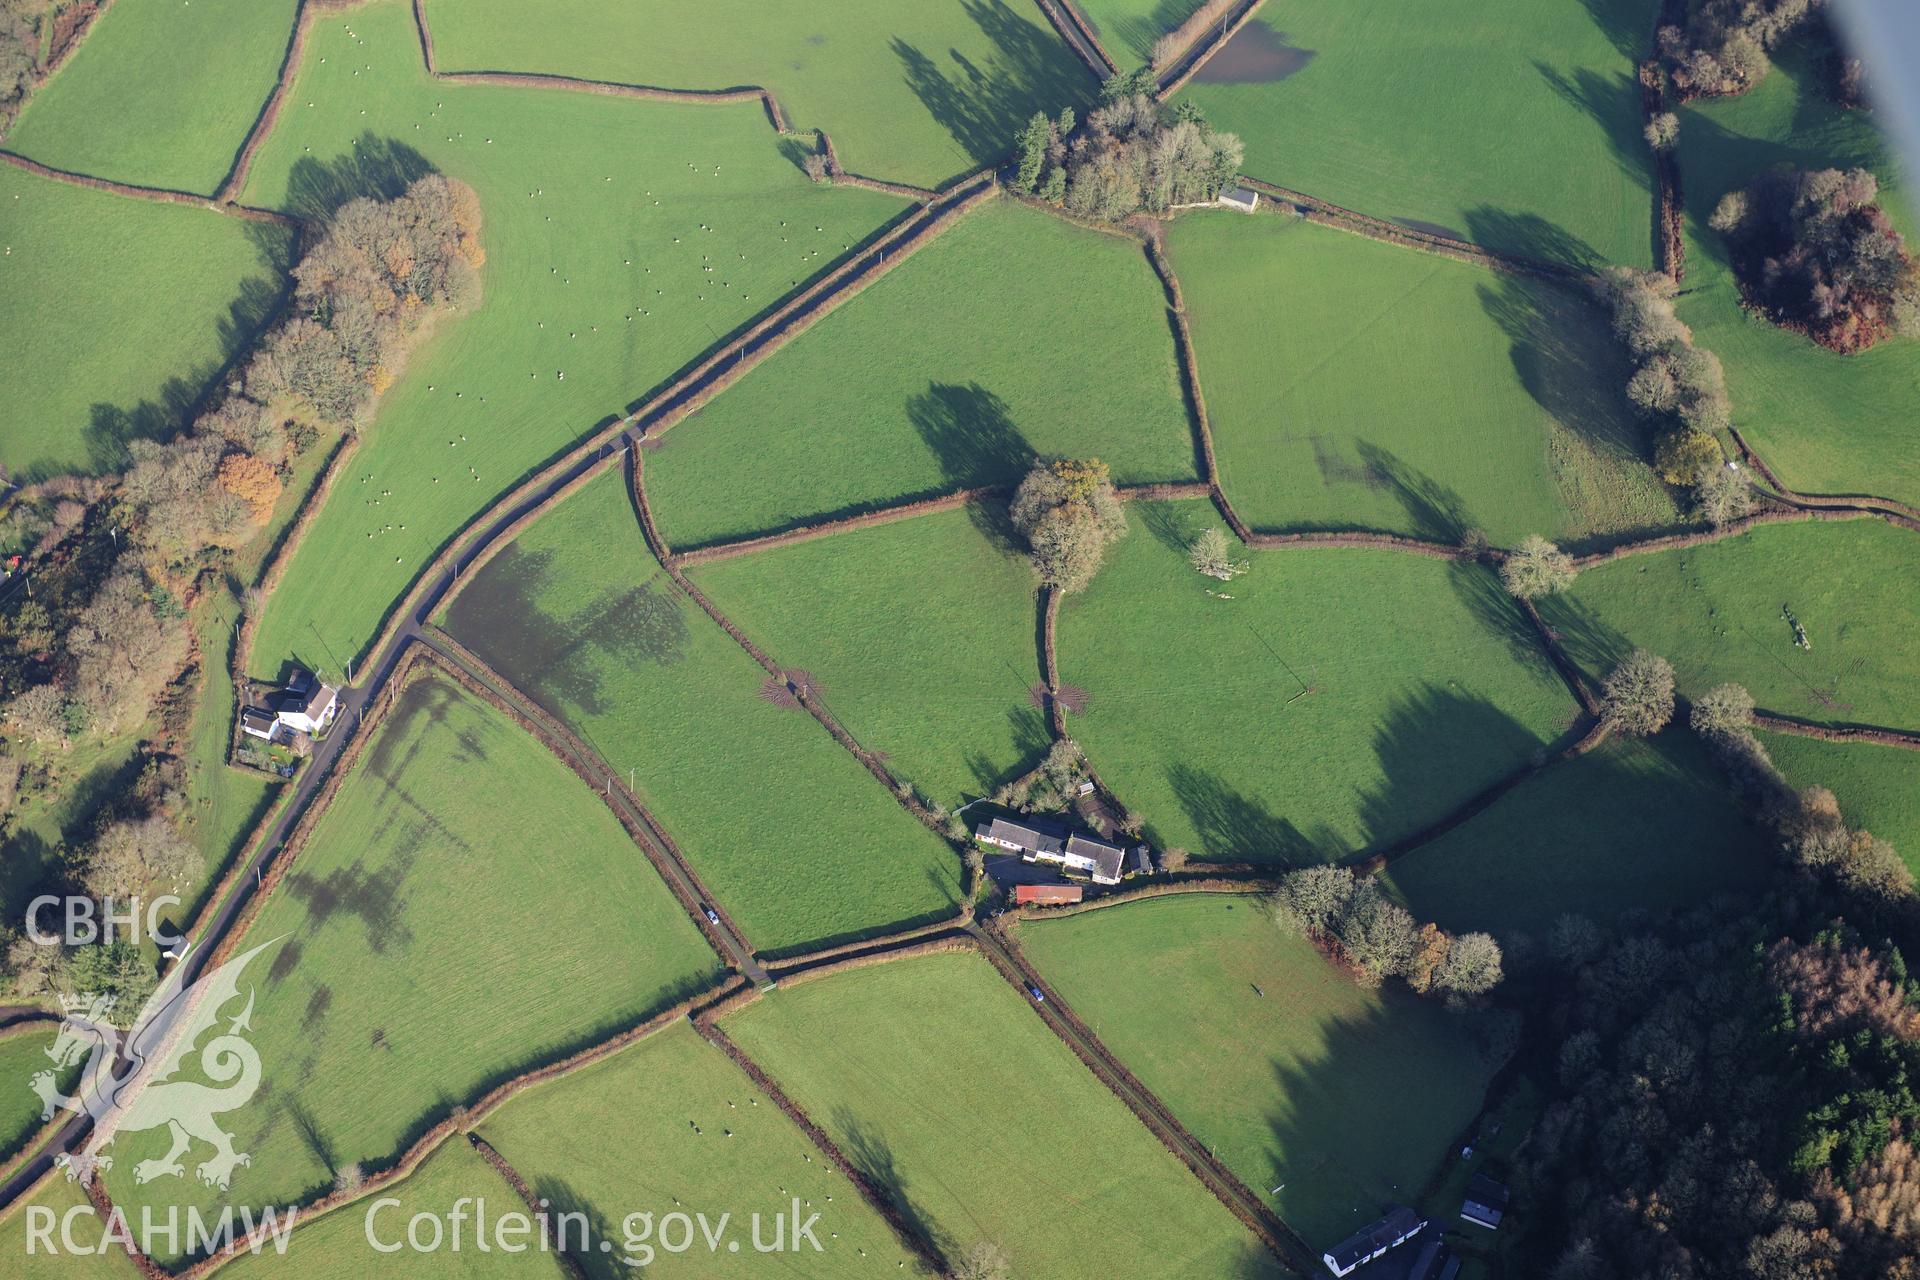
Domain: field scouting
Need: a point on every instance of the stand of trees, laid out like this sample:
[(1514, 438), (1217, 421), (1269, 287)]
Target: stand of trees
[(1730, 1093), (1721, 45), (20, 24), (1131, 154), (1816, 252), (1068, 512), (1678, 385), (1357, 924)]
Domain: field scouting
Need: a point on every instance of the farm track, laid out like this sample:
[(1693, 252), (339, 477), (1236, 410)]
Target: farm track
[(1073, 28), (1084, 25)]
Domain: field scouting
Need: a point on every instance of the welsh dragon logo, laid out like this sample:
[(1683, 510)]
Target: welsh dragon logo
[(146, 1096)]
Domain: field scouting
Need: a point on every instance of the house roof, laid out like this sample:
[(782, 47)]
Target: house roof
[(258, 719), (1399, 1223), (1107, 858), (310, 704), (1430, 1260), (1026, 835), (1486, 1201), (1141, 862)]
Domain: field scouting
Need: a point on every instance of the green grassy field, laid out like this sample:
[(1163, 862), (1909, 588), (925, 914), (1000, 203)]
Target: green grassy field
[(916, 93), (22, 1055), (1284, 1067), (1827, 423), (795, 838), (1012, 334), (713, 1144), (1878, 787), (938, 679), (594, 211), (1631, 824), (1128, 28), (465, 909), (1334, 700), (126, 107), (337, 1246), (1515, 124), (27, 1254), (1354, 384), (1714, 611), (968, 1110), (115, 313)]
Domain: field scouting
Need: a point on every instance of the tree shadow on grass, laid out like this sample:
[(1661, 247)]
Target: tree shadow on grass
[(872, 1156), (1435, 510), (1613, 100), (1624, 25), (1171, 525), (970, 434), (570, 1214), (1529, 235), (1436, 747), (1340, 1175), (1479, 588), (982, 107), (259, 301), (382, 168), (1567, 359), (1238, 828)]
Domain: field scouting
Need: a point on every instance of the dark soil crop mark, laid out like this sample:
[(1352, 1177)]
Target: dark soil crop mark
[(317, 1005), (375, 899), (559, 660), (1257, 54)]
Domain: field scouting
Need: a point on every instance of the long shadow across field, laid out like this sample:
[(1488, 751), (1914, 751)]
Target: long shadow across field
[(982, 107)]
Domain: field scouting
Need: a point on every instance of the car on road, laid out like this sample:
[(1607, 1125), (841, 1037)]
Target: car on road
[(1038, 997), (713, 917)]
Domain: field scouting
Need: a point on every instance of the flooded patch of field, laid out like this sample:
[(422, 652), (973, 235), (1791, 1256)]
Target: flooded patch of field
[(1257, 54)]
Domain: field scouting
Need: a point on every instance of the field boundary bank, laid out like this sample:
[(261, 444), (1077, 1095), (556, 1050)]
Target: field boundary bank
[(463, 1121), (1837, 733), (910, 1237), (1078, 36), (1478, 803), (709, 374), (1201, 51), (535, 1206), (1862, 501), (888, 944), (162, 195), (290, 61), (903, 793), (1222, 886), (1669, 211), (1325, 212), (840, 173), (826, 526), (1731, 529), (471, 672), (1004, 954), (611, 88)]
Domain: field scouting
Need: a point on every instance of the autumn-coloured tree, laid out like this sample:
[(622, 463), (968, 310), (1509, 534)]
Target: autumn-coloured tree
[(252, 480)]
